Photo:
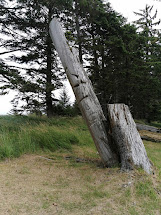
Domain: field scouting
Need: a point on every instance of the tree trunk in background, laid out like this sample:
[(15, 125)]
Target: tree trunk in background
[(78, 32), (49, 103), (86, 98), (126, 137), (94, 48)]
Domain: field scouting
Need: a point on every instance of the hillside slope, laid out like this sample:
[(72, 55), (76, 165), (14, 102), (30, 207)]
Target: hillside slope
[(68, 178)]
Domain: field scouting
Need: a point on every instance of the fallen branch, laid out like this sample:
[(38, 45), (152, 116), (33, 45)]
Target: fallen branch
[(144, 137), (147, 128)]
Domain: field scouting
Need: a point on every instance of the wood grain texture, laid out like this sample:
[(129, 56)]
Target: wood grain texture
[(85, 96), (126, 137)]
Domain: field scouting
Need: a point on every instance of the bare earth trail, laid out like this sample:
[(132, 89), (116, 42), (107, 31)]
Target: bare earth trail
[(32, 185)]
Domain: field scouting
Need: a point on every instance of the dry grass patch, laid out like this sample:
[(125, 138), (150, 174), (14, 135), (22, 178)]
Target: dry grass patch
[(155, 136), (65, 177), (37, 186)]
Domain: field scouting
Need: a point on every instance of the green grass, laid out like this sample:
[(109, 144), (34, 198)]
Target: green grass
[(93, 194), (144, 122), (70, 186), (145, 189), (23, 134)]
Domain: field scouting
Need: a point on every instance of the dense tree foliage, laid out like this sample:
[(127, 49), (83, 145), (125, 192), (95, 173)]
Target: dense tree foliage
[(9, 79), (26, 27), (151, 70), (122, 60)]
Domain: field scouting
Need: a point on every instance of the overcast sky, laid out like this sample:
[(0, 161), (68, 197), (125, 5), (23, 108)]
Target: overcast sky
[(125, 7), (128, 7)]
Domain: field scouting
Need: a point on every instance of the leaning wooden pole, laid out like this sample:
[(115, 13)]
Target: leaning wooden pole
[(85, 96)]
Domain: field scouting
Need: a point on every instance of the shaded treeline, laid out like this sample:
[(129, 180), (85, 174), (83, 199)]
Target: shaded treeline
[(122, 60)]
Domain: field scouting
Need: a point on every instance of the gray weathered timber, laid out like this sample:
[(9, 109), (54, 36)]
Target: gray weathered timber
[(126, 137), (85, 96), (147, 128)]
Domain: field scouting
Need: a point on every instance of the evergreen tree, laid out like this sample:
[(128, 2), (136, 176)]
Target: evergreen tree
[(119, 67), (151, 48), (9, 79), (64, 99), (123, 64), (26, 25), (63, 106), (96, 30)]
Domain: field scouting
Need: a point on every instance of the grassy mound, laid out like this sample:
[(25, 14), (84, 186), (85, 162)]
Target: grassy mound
[(63, 176), (22, 134)]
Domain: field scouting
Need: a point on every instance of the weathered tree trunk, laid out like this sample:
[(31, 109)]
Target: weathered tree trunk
[(86, 98), (126, 137)]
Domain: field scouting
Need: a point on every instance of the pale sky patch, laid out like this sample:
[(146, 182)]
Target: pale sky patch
[(128, 7), (124, 7)]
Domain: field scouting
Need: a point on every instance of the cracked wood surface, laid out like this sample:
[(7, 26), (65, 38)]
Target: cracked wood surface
[(127, 138), (85, 96)]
